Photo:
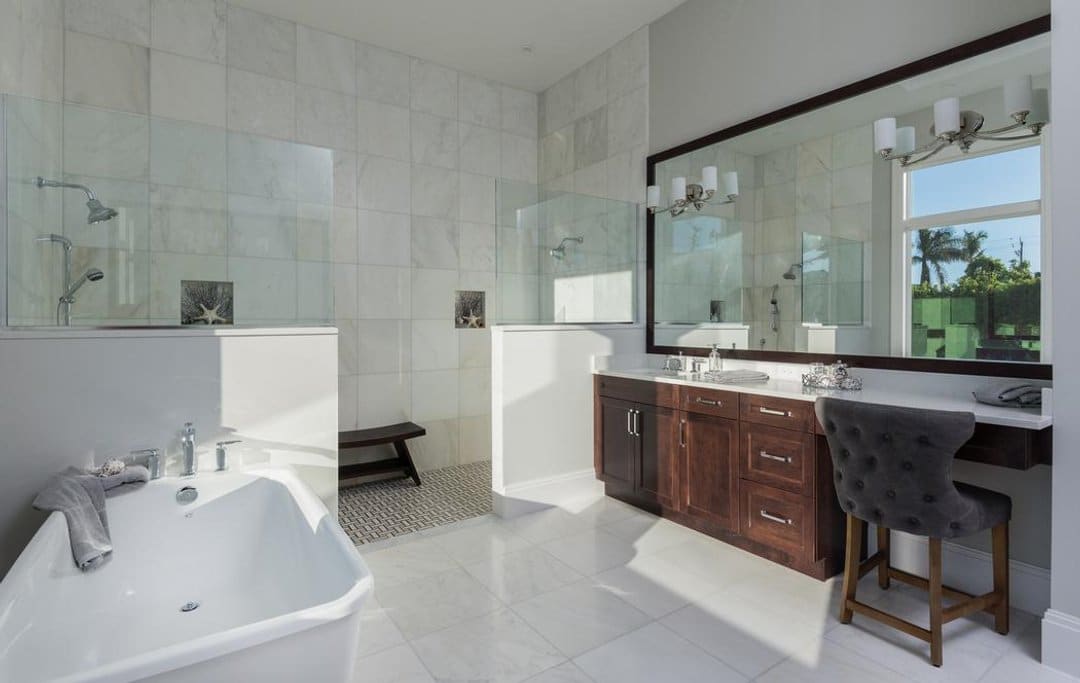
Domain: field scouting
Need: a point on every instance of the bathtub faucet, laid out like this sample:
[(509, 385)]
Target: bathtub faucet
[(187, 446)]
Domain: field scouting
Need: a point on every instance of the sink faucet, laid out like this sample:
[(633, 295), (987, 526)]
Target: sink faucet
[(187, 446)]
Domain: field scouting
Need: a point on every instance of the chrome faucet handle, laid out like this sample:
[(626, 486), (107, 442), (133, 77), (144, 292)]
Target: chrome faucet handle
[(222, 455), (153, 460)]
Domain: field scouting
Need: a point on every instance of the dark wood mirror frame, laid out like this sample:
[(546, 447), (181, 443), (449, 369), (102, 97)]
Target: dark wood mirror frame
[(959, 53)]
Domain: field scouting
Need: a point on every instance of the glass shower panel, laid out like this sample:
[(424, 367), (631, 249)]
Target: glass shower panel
[(564, 257), (193, 203), (698, 269), (833, 282)]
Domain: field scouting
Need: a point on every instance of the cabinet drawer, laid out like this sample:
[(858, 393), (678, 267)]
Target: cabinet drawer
[(637, 391), (778, 519), (710, 402), (786, 413), (778, 457)]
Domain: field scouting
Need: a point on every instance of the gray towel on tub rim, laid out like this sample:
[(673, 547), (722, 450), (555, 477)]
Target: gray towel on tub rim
[(81, 497)]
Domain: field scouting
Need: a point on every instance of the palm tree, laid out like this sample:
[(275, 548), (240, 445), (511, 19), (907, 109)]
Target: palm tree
[(973, 243), (935, 248)]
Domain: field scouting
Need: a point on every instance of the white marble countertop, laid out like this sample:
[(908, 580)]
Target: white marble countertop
[(1024, 418)]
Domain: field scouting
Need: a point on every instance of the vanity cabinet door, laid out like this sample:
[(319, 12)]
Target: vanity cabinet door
[(656, 430), (710, 472), (616, 452)]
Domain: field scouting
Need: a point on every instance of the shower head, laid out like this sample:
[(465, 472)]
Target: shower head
[(790, 274), (91, 275), (98, 211), (559, 252)]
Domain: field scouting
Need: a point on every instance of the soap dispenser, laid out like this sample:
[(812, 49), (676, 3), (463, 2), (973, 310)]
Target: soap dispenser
[(716, 363)]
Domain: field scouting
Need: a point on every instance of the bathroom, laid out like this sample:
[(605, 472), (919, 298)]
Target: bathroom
[(293, 225)]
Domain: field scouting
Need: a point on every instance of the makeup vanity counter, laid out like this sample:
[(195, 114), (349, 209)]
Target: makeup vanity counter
[(749, 463)]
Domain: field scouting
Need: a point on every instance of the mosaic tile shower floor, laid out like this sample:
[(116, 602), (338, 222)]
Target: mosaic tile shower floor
[(379, 510)]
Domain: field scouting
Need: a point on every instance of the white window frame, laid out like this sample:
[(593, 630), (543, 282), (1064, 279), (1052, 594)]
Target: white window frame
[(903, 226)]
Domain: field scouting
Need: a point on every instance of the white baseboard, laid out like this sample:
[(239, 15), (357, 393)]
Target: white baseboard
[(1061, 642), (971, 570), (537, 494)]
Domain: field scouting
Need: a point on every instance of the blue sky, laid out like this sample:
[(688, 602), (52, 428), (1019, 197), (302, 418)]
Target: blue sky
[(980, 181)]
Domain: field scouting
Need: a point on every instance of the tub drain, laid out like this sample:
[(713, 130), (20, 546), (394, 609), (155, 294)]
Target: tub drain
[(189, 606)]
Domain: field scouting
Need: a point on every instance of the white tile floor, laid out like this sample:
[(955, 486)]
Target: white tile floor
[(599, 591)]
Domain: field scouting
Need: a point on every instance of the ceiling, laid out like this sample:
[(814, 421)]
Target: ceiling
[(482, 37)]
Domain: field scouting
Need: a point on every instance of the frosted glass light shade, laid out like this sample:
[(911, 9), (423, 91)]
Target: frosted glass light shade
[(884, 134), (1040, 107), (905, 140), (1018, 95), (731, 184), (947, 116), (708, 179), (678, 188), (652, 196)]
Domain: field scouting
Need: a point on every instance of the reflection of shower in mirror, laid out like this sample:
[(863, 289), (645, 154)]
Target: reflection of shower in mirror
[(559, 253), (774, 308)]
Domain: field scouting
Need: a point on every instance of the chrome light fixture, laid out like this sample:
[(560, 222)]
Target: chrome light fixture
[(684, 196), (1028, 108)]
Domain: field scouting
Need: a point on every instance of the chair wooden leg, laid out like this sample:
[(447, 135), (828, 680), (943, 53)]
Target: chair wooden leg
[(883, 544), (936, 608), (1000, 535), (851, 565)]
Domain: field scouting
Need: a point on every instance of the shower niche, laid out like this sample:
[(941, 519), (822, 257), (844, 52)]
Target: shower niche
[(108, 212)]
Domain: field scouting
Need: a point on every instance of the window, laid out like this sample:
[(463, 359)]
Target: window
[(972, 229)]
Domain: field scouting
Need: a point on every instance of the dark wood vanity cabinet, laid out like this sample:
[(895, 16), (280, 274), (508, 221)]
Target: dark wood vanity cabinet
[(745, 469)]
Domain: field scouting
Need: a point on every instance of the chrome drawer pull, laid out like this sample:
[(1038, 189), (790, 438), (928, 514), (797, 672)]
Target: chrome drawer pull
[(775, 518), (629, 428), (778, 458), (778, 413), (708, 402)]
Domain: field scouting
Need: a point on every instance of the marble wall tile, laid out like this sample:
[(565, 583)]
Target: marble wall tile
[(778, 200), (124, 20), (167, 270), (477, 199), (385, 398), (475, 438), (383, 129), (106, 144), (517, 158), (384, 293), (814, 156), (123, 295), (382, 75), (346, 304), (187, 89), (434, 192), (813, 193), (853, 185), (325, 117), (476, 247), (193, 28), (434, 140), (778, 166), (853, 147), (348, 397), (106, 73), (383, 184), (434, 243), (261, 43), (384, 346), (344, 178), (435, 397), (348, 339), (261, 227), (433, 293), (475, 387), (344, 235), (325, 60), (557, 106), (315, 174), (264, 290), (261, 104), (557, 154), (474, 348), (628, 64), (479, 101), (187, 155), (626, 175), (32, 49), (261, 167), (519, 111), (590, 87), (314, 292), (592, 180), (628, 121), (187, 221), (591, 139), (315, 238), (438, 449), (434, 345), (384, 238), (434, 89), (479, 149), (852, 222), (129, 230)]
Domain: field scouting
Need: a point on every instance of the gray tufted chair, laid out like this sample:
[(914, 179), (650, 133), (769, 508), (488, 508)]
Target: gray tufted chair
[(892, 467)]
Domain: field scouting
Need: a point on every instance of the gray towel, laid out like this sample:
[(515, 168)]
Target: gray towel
[(737, 376), (1009, 393), (81, 497)]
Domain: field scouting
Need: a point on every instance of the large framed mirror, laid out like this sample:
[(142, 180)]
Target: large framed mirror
[(845, 227)]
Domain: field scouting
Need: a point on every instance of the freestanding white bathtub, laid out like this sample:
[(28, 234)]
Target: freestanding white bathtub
[(279, 588)]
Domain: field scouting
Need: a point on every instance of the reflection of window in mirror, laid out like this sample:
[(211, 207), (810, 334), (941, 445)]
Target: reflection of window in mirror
[(970, 230)]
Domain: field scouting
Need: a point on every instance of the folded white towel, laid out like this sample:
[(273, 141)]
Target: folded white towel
[(737, 376)]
